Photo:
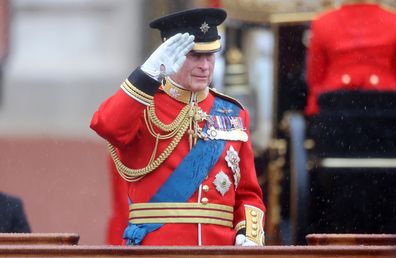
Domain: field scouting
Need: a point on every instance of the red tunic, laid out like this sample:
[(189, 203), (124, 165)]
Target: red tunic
[(120, 121), (353, 47), (119, 203)]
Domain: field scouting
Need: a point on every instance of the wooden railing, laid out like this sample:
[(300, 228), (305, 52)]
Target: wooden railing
[(320, 246), (351, 239), (200, 252), (39, 239)]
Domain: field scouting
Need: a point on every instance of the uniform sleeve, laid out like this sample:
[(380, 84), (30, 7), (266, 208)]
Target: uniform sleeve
[(119, 118), (249, 214), (316, 68)]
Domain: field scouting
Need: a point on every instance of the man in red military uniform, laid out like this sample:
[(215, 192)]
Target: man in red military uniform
[(351, 48), (184, 149)]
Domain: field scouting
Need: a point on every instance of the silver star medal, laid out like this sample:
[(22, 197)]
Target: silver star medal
[(204, 27), (233, 159), (222, 182)]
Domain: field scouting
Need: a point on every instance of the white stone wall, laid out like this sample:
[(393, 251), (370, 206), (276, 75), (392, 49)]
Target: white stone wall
[(66, 57)]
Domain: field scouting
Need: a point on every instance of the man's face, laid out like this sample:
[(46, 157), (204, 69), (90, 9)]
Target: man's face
[(196, 72)]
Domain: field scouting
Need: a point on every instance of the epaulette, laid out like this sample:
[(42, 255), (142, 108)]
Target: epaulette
[(224, 96)]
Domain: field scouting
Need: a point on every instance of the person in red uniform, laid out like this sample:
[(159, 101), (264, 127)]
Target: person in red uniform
[(351, 48), (183, 148)]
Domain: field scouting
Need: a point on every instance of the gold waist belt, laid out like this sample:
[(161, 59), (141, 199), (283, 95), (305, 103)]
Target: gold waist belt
[(165, 212)]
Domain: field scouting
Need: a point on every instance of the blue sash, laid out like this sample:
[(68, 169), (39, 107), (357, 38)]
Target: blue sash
[(180, 186)]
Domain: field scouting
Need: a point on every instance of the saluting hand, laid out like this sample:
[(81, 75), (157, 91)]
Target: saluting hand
[(169, 57)]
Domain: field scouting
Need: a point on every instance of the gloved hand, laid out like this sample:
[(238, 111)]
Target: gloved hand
[(169, 57), (242, 240)]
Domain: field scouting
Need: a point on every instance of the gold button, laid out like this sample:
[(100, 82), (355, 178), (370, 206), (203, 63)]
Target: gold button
[(253, 213), (374, 79), (346, 79), (254, 226), (205, 188), (254, 233), (204, 200), (254, 220)]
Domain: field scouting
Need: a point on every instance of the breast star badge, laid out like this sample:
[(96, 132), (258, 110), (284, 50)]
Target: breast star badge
[(222, 182), (233, 159)]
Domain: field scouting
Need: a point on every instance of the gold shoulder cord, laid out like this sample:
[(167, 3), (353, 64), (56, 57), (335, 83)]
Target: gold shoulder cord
[(176, 130)]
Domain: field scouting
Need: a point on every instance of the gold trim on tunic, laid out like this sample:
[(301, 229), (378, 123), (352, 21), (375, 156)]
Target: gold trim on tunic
[(254, 224), (183, 95), (134, 92), (217, 214)]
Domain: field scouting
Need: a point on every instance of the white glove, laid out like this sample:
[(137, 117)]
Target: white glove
[(169, 57), (242, 240)]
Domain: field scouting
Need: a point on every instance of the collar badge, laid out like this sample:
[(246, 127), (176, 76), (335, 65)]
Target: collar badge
[(174, 92)]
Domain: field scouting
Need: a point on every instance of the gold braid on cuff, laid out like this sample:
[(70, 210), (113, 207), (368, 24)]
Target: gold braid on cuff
[(254, 224), (134, 92)]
